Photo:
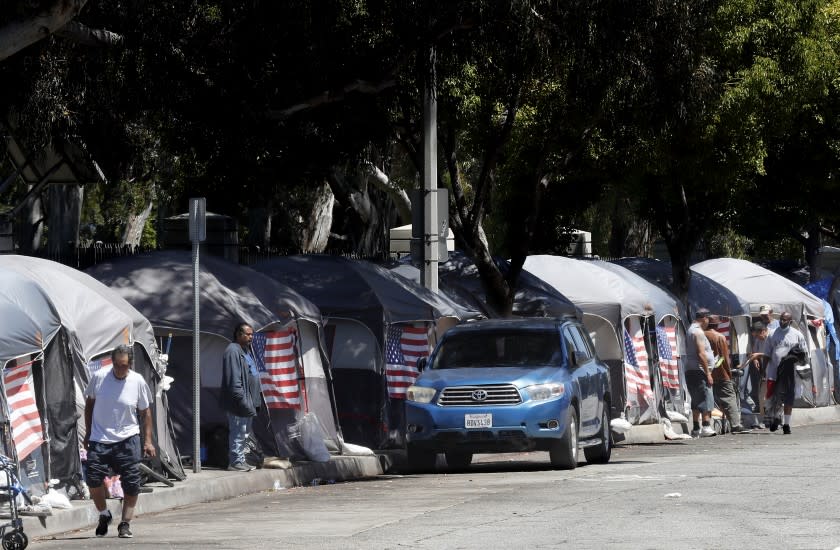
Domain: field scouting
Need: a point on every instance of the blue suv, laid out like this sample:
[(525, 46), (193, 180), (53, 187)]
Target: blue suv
[(510, 385)]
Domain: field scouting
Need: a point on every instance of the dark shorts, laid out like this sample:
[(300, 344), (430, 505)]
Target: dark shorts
[(702, 396), (105, 459)]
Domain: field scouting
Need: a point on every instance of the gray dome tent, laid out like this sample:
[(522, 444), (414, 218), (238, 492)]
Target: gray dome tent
[(614, 313), (755, 286), (57, 323)]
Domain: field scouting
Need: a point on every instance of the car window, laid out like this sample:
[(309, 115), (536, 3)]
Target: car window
[(581, 341), (502, 348), (571, 346)]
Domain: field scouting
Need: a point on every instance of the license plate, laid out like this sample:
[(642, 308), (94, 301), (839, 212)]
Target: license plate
[(478, 420)]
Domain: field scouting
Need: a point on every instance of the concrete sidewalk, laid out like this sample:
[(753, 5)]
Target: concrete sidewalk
[(655, 433), (210, 485)]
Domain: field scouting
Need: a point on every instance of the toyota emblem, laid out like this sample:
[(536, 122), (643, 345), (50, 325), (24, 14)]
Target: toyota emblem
[(479, 395)]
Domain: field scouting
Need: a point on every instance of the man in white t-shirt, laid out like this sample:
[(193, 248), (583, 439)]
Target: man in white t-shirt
[(782, 342), (117, 399)]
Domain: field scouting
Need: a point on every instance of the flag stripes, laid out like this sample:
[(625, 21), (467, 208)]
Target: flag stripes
[(404, 345), (636, 373), (666, 340), (24, 418), (277, 361)]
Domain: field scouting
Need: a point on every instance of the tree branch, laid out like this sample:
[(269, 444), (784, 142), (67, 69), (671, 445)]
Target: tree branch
[(82, 34), (399, 196), (21, 33), (324, 98)]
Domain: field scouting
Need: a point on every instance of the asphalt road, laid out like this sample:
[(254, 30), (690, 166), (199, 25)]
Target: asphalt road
[(753, 491)]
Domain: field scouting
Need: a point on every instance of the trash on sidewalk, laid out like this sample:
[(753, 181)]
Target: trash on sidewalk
[(673, 495), (276, 463), (350, 449), (669, 432), (310, 435), (620, 425), (54, 499)]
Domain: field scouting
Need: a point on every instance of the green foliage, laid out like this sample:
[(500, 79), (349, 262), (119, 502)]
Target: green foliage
[(728, 244), (685, 113)]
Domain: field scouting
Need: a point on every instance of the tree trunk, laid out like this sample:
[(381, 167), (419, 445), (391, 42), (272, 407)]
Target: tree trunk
[(64, 219), (30, 225), (259, 226), (316, 230), (812, 243), (365, 208), (134, 226)]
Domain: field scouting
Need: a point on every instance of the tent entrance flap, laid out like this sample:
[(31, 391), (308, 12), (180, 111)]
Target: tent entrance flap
[(358, 381)]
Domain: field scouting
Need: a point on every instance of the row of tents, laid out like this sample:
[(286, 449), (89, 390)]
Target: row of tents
[(352, 331)]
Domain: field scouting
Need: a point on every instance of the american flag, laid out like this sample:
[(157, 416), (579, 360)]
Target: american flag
[(27, 432), (666, 340), (404, 345), (278, 365), (636, 367), (96, 364)]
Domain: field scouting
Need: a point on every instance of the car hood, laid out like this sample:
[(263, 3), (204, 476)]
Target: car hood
[(518, 376)]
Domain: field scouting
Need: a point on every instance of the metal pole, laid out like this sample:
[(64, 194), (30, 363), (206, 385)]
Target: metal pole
[(430, 223), (196, 367)]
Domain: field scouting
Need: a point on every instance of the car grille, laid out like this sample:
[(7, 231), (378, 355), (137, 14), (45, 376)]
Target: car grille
[(464, 396)]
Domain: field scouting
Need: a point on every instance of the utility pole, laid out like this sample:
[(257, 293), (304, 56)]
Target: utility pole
[(431, 238)]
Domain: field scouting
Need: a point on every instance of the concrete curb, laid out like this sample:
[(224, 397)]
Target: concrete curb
[(210, 485), (655, 433)]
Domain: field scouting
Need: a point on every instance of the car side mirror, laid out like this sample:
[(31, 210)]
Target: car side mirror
[(421, 363), (579, 358)]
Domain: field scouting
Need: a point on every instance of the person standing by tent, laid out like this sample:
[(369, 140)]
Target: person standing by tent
[(766, 314), (783, 340), (724, 389), (698, 374), (115, 399), (240, 393), (757, 371)]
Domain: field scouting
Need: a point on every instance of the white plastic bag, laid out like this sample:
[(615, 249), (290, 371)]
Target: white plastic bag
[(311, 437), (56, 500)]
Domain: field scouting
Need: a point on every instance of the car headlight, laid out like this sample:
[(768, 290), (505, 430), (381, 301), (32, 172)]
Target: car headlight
[(541, 392), (420, 394)]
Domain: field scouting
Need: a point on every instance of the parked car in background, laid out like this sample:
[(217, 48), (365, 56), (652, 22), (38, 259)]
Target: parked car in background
[(510, 385)]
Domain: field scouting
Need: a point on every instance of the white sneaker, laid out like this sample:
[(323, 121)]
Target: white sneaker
[(707, 431)]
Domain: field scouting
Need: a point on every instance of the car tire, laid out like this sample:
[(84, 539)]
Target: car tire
[(564, 451), (421, 460), (600, 454), (458, 461)]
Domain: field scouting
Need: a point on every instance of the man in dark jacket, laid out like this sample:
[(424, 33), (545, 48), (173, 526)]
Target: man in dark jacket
[(240, 395)]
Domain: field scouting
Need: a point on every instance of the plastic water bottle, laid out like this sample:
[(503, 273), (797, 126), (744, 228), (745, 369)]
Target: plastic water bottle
[(277, 485)]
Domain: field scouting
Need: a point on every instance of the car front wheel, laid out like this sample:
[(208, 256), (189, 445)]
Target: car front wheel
[(564, 451), (600, 454)]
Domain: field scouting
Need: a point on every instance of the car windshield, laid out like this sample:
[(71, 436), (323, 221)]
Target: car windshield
[(521, 348)]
